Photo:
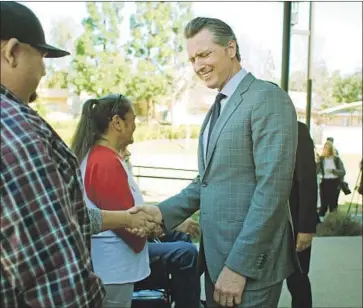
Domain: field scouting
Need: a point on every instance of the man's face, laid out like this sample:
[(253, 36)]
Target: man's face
[(24, 66), (32, 65), (211, 62)]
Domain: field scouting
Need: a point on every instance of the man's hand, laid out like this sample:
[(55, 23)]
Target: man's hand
[(149, 209), (145, 220), (189, 226), (303, 241), (158, 232), (229, 288)]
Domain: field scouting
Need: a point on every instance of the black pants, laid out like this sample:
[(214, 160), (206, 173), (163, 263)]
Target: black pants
[(329, 195), (298, 283)]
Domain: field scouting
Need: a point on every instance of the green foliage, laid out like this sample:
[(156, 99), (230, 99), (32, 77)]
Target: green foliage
[(61, 34), (339, 224), (57, 79), (330, 88), (322, 84), (143, 132), (147, 132), (155, 47), (196, 216), (41, 108), (99, 67), (347, 89)]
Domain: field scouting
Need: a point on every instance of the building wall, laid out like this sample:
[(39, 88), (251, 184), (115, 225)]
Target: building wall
[(343, 119)]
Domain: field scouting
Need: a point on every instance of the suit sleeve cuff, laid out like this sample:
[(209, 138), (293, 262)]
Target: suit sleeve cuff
[(247, 265)]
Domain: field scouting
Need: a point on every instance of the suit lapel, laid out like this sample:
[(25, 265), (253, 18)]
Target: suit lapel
[(201, 161), (232, 104)]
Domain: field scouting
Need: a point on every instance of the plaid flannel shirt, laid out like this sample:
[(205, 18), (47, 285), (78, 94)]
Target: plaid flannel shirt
[(45, 228)]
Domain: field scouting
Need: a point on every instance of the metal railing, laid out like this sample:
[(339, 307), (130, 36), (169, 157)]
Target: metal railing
[(139, 175)]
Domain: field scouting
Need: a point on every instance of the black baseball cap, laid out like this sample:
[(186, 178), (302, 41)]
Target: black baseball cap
[(18, 21)]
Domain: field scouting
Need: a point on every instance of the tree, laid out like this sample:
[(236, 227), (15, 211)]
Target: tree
[(180, 73), (99, 66), (156, 49), (57, 69), (347, 89), (268, 67), (298, 81), (322, 84)]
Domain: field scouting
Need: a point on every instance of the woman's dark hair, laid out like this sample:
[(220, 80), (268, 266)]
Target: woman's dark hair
[(94, 121)]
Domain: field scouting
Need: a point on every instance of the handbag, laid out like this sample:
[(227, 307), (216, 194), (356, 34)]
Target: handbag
[(345, 188)]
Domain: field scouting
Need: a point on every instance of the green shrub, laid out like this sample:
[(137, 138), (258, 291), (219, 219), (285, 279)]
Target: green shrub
[(195, 216), (339, 224), (156, 131), (143, 132)]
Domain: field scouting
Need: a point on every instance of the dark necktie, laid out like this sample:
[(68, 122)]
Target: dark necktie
[(216, 110)]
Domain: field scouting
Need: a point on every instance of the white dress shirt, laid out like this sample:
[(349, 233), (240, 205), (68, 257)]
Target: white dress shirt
[(227, 90), (329, 165)]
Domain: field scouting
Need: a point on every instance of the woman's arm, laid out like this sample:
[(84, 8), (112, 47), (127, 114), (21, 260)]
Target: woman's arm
[(108, 220), (340, 170), (139, 221)]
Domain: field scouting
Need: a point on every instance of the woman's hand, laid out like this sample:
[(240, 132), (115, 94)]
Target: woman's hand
[(144, 220)]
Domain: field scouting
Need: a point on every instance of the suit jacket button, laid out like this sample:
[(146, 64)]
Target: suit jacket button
[(204, 184)]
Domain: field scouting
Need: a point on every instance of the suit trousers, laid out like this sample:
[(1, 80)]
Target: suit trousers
[(264, 298), (298, 283)]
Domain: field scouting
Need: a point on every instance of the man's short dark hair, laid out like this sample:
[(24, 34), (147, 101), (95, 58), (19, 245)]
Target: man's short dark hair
[(221, 31)]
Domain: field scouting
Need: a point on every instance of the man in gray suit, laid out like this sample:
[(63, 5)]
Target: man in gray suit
[(246, 162)]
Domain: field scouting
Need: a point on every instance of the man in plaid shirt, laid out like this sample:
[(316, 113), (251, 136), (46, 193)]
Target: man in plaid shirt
[(45, 229)]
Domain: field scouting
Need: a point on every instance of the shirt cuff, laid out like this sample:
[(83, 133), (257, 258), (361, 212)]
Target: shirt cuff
[(96, 220)]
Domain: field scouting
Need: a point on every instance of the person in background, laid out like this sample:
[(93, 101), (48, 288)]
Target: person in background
[(332, 172), (303, 201), (331, 139)]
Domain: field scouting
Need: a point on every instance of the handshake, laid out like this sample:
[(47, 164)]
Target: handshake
[(144, 221), (147, 221)]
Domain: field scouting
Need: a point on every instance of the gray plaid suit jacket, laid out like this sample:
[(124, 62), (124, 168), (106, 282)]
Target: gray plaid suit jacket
[(243, 187)]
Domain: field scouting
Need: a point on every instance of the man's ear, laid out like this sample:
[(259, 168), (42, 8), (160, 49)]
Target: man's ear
[(232, 49), (10, 52)]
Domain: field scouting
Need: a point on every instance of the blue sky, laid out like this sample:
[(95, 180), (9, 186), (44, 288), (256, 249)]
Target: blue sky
[(337, 28)]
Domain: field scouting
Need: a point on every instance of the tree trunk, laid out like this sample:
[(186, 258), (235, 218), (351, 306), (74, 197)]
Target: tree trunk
[(150, 110)]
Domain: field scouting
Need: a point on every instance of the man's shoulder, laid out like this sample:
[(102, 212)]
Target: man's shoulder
[(21, 129), (268, 89), (14, 124), (266, 85), (302, 127), (264, 92)]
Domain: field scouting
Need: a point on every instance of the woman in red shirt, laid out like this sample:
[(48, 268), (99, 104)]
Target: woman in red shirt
[(119, 257)]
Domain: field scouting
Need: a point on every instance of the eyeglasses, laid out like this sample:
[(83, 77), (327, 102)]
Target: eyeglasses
[(114, 107)]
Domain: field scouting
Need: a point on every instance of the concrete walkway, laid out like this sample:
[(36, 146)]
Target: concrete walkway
[(335, 274)]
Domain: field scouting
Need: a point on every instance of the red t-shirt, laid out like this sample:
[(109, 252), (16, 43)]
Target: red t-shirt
[(107, 186)]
